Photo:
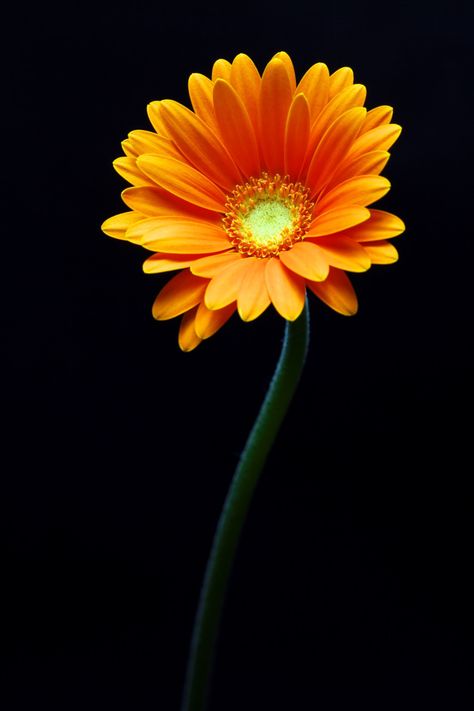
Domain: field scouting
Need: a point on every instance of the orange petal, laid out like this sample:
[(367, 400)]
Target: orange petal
[(377, 139), (224, 287), (159, 263), (128, 149), (128, 169), (275, 100), (246, 80), (183, 181), (380, 226), (188, 339), (349, 98), (138, 231), (208, 322), (333, 147), (315, 86), (344, 253), (179, 295), (200, 145), (381, 252), (149, 142), (154, 115), (236, 128), (339, 80), (307, 260), (155, 201), (200, 92), (221, 69), (117, 225), (290, 70), (253, 298), (181, 236), (377, 117), (367, 164), (296, 135), (337, 220), (337, 292), (285, 288), (361, 190), (214, 263)]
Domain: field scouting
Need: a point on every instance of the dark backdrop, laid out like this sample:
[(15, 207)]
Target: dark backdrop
[(352, 586)]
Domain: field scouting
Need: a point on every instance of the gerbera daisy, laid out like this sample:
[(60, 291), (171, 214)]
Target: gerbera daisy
[(259, 193)]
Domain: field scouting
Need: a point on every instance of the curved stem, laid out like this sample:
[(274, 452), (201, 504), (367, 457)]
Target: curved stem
[(260, 440)]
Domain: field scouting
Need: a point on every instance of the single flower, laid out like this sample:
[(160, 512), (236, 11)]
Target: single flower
[(258, 194)]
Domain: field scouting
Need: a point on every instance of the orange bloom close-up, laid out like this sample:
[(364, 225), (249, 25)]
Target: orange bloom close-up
[(259, 193)]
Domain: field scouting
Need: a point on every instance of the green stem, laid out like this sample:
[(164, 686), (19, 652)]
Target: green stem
[(261, 438)]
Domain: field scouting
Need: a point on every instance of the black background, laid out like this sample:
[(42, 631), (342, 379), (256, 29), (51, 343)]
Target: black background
[(352, 586)]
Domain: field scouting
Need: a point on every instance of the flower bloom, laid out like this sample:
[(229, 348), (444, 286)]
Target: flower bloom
[(258, 194)]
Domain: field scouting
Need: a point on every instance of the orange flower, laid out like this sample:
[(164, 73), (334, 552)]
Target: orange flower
[(259, 193)]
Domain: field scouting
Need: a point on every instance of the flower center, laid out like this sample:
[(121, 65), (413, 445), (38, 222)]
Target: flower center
[(267, 215)]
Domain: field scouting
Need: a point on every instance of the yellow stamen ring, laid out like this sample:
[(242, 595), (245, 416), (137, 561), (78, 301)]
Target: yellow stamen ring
[(267, 215)]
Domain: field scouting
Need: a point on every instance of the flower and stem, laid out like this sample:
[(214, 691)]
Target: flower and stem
[(256, 197)]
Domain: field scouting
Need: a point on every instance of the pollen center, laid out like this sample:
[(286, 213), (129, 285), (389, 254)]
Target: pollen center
[(267, 222), (267, 215)]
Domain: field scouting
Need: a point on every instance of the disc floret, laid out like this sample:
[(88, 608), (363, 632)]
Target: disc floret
[(267, 215)]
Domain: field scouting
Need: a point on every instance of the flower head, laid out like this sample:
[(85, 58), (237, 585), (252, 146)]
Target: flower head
[(259, 193)]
